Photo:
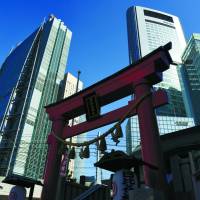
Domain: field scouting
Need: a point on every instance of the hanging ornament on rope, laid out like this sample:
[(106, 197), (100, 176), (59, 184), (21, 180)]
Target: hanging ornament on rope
[(102, 145), (117, 134), (81, 153), (114, 138), (86, 152), (118, 131), (72, 153)]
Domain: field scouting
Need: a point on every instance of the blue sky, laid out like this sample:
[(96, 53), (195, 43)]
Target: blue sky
[(99, 42)]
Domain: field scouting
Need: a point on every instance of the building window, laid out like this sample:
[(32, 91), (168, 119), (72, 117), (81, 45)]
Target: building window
[(158, 15)]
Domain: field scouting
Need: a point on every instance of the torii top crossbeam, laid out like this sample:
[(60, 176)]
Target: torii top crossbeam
[(137, 78), (117, 85)]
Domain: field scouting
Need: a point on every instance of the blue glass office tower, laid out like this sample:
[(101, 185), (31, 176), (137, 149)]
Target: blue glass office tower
[(147, 30), (30, 79)]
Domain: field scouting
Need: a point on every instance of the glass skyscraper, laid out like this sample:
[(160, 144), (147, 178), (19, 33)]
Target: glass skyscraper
[(29, 80), (191, 76), (147, 30)]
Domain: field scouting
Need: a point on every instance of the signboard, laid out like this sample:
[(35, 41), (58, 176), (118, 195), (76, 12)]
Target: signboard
[(122, 182), (63, 166), (92, 107)]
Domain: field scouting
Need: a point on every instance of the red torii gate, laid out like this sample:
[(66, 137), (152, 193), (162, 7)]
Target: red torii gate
[(137, 78)]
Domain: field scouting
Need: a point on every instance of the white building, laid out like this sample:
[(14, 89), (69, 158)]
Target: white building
[(76, 166), (147, 30)]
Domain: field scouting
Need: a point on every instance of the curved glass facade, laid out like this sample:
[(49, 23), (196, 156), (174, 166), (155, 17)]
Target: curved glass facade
[(37, 86), (11, 69)]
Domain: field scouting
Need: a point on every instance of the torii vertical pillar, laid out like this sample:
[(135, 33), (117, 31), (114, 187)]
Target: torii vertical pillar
[(150, 140), (53, 161)]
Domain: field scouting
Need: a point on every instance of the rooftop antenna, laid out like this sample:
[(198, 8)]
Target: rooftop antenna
[(44, 20)]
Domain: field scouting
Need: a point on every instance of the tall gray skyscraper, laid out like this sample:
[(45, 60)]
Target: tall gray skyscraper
[(29, 79), (147, 30), (191, 76)]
